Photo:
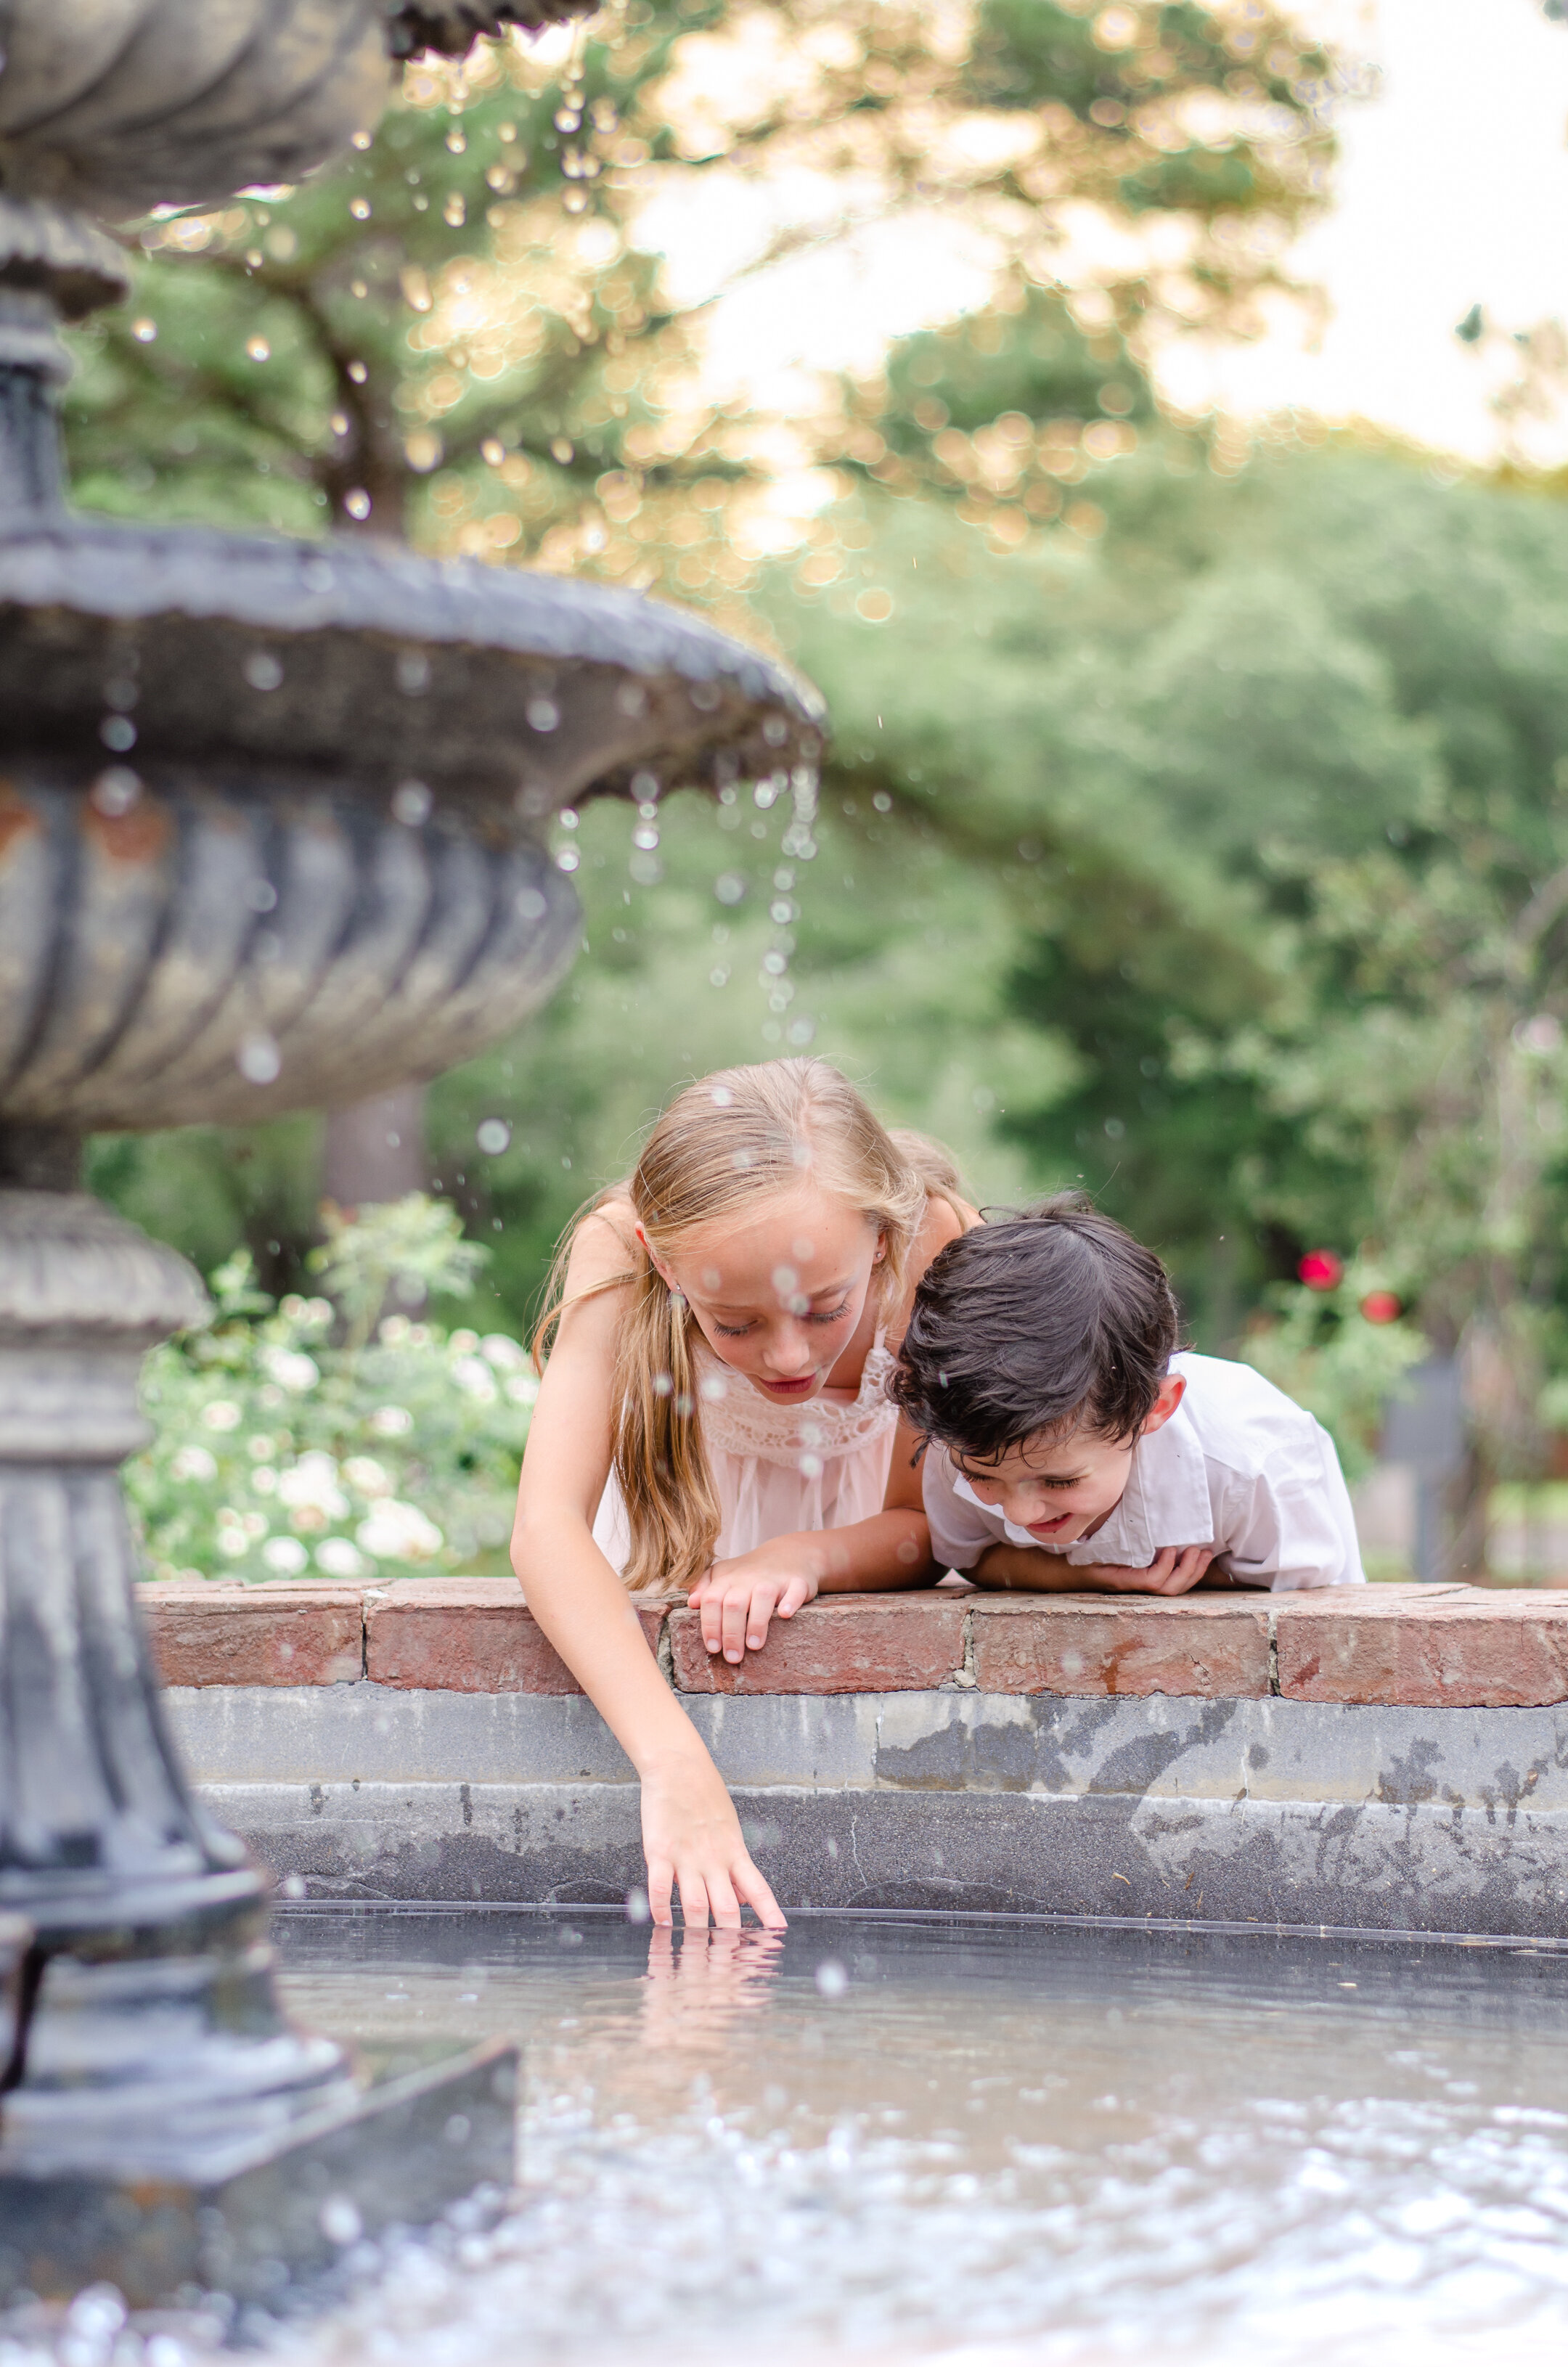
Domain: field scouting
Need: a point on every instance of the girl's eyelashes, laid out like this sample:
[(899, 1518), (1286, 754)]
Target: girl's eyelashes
[(739, 1331)]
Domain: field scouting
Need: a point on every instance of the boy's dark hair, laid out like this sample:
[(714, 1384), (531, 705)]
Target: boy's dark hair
[(1051, 1318)]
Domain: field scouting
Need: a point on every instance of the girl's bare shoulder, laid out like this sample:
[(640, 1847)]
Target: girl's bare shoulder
[(604, 1247), (943, 1222)]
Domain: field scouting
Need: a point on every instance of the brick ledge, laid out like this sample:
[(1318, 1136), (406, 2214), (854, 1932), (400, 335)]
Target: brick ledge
[(1452, 1646)]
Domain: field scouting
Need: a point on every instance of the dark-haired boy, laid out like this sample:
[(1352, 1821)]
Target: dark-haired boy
[(1072, 1447)]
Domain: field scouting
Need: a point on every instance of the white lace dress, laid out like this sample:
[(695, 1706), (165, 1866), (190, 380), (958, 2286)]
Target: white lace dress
[(779, 1468)]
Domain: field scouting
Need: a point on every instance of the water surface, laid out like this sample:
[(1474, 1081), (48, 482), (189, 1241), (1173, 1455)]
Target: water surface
[(888, 2139)]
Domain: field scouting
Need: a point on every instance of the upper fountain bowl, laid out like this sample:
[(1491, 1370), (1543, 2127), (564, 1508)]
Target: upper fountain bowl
[(270, 813)]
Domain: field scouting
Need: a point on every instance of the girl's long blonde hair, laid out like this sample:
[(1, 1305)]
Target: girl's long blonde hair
[(722, 1144)]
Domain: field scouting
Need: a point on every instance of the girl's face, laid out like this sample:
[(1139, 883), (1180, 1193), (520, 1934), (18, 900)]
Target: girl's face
[(778, 1295)]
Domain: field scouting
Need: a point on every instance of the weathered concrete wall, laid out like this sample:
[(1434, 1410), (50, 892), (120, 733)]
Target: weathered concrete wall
[(1247, 1809)]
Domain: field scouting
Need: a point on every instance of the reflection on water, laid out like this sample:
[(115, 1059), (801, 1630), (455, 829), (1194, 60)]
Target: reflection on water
[(981, 2145)]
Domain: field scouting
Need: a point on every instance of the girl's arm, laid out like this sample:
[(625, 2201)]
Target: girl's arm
[(691, 1835), (738, 1597)]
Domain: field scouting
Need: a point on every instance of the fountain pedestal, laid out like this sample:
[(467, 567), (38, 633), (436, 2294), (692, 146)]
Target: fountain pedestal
[(163, 2125)]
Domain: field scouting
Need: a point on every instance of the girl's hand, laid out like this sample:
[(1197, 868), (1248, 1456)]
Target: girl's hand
[(691, 1839), (1175, 1570), (737, 1598)]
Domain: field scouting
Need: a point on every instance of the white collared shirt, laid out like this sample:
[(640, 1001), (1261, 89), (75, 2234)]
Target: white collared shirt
[(1239, 1467)]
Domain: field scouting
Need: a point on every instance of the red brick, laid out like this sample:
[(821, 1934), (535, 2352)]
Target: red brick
[(468, 1635), (1210, 1645), (1451, 1647), (207, 1633), (840, 1644)]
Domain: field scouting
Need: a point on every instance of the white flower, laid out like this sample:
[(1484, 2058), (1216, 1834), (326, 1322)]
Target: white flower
[(231, 1538), (310, 1489), (338, 1558), (260, 1448), (475, 1379), (255, 1524), (368, 1476), (285, 1555), (291, 1369), (391, 1422), (504, 1353), (221, 1414), (463, 1343), (394, 1330), (522, 1388), (264, 1480), (398, 1532), (194, 1463)]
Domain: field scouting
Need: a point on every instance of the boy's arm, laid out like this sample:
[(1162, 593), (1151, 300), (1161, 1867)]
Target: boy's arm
[(1030, 1569)]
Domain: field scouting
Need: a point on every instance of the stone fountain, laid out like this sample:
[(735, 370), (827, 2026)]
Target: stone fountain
[(270, 836)]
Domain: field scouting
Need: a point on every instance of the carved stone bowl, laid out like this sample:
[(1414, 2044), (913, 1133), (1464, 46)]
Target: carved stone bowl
[(270, 814)]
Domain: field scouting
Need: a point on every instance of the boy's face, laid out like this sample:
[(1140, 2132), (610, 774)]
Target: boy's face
[(1062, 1485)]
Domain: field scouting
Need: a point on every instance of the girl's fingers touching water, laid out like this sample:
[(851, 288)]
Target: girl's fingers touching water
[(691, 1839)]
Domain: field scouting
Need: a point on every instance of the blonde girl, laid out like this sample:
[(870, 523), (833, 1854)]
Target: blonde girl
[(712, 1418)]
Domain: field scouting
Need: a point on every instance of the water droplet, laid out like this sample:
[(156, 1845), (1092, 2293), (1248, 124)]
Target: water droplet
[(339, 2220), (338, 423), (531, 905), (543, 714), (729, 886), (358, 373), (412, 673), (144, 331), (645, 786), (262, 670), (493, 1134), (646, 870), (258, 1058), (454, 213), (116, 790), (637, 1908), (258, 349), (361, 209), (361, 140), (568, 119), (411, 803), (492, 451), (568, 817), (119, 733), (457, 140), (704, 696), (261, 896), (801, 1031), (783, 911), (775, 731), (561, 450), (358, 502), (882, 802), (631, 699), (567, 859), (831, 1978)]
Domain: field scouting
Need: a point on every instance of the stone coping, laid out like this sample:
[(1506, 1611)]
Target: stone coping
[(1451, 1646)]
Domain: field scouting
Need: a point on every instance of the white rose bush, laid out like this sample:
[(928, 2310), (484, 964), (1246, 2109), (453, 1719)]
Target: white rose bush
[(317, 1440)]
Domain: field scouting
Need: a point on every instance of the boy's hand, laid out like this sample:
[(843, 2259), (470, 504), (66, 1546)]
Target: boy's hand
[(1175, 1570), (737, 1598)]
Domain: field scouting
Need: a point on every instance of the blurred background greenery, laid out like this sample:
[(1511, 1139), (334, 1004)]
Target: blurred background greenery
[(1195, 825)]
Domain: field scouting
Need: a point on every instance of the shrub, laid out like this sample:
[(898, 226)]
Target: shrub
[(300, 1439)]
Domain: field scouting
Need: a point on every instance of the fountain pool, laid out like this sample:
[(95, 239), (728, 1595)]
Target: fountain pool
[(904, 2138)]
